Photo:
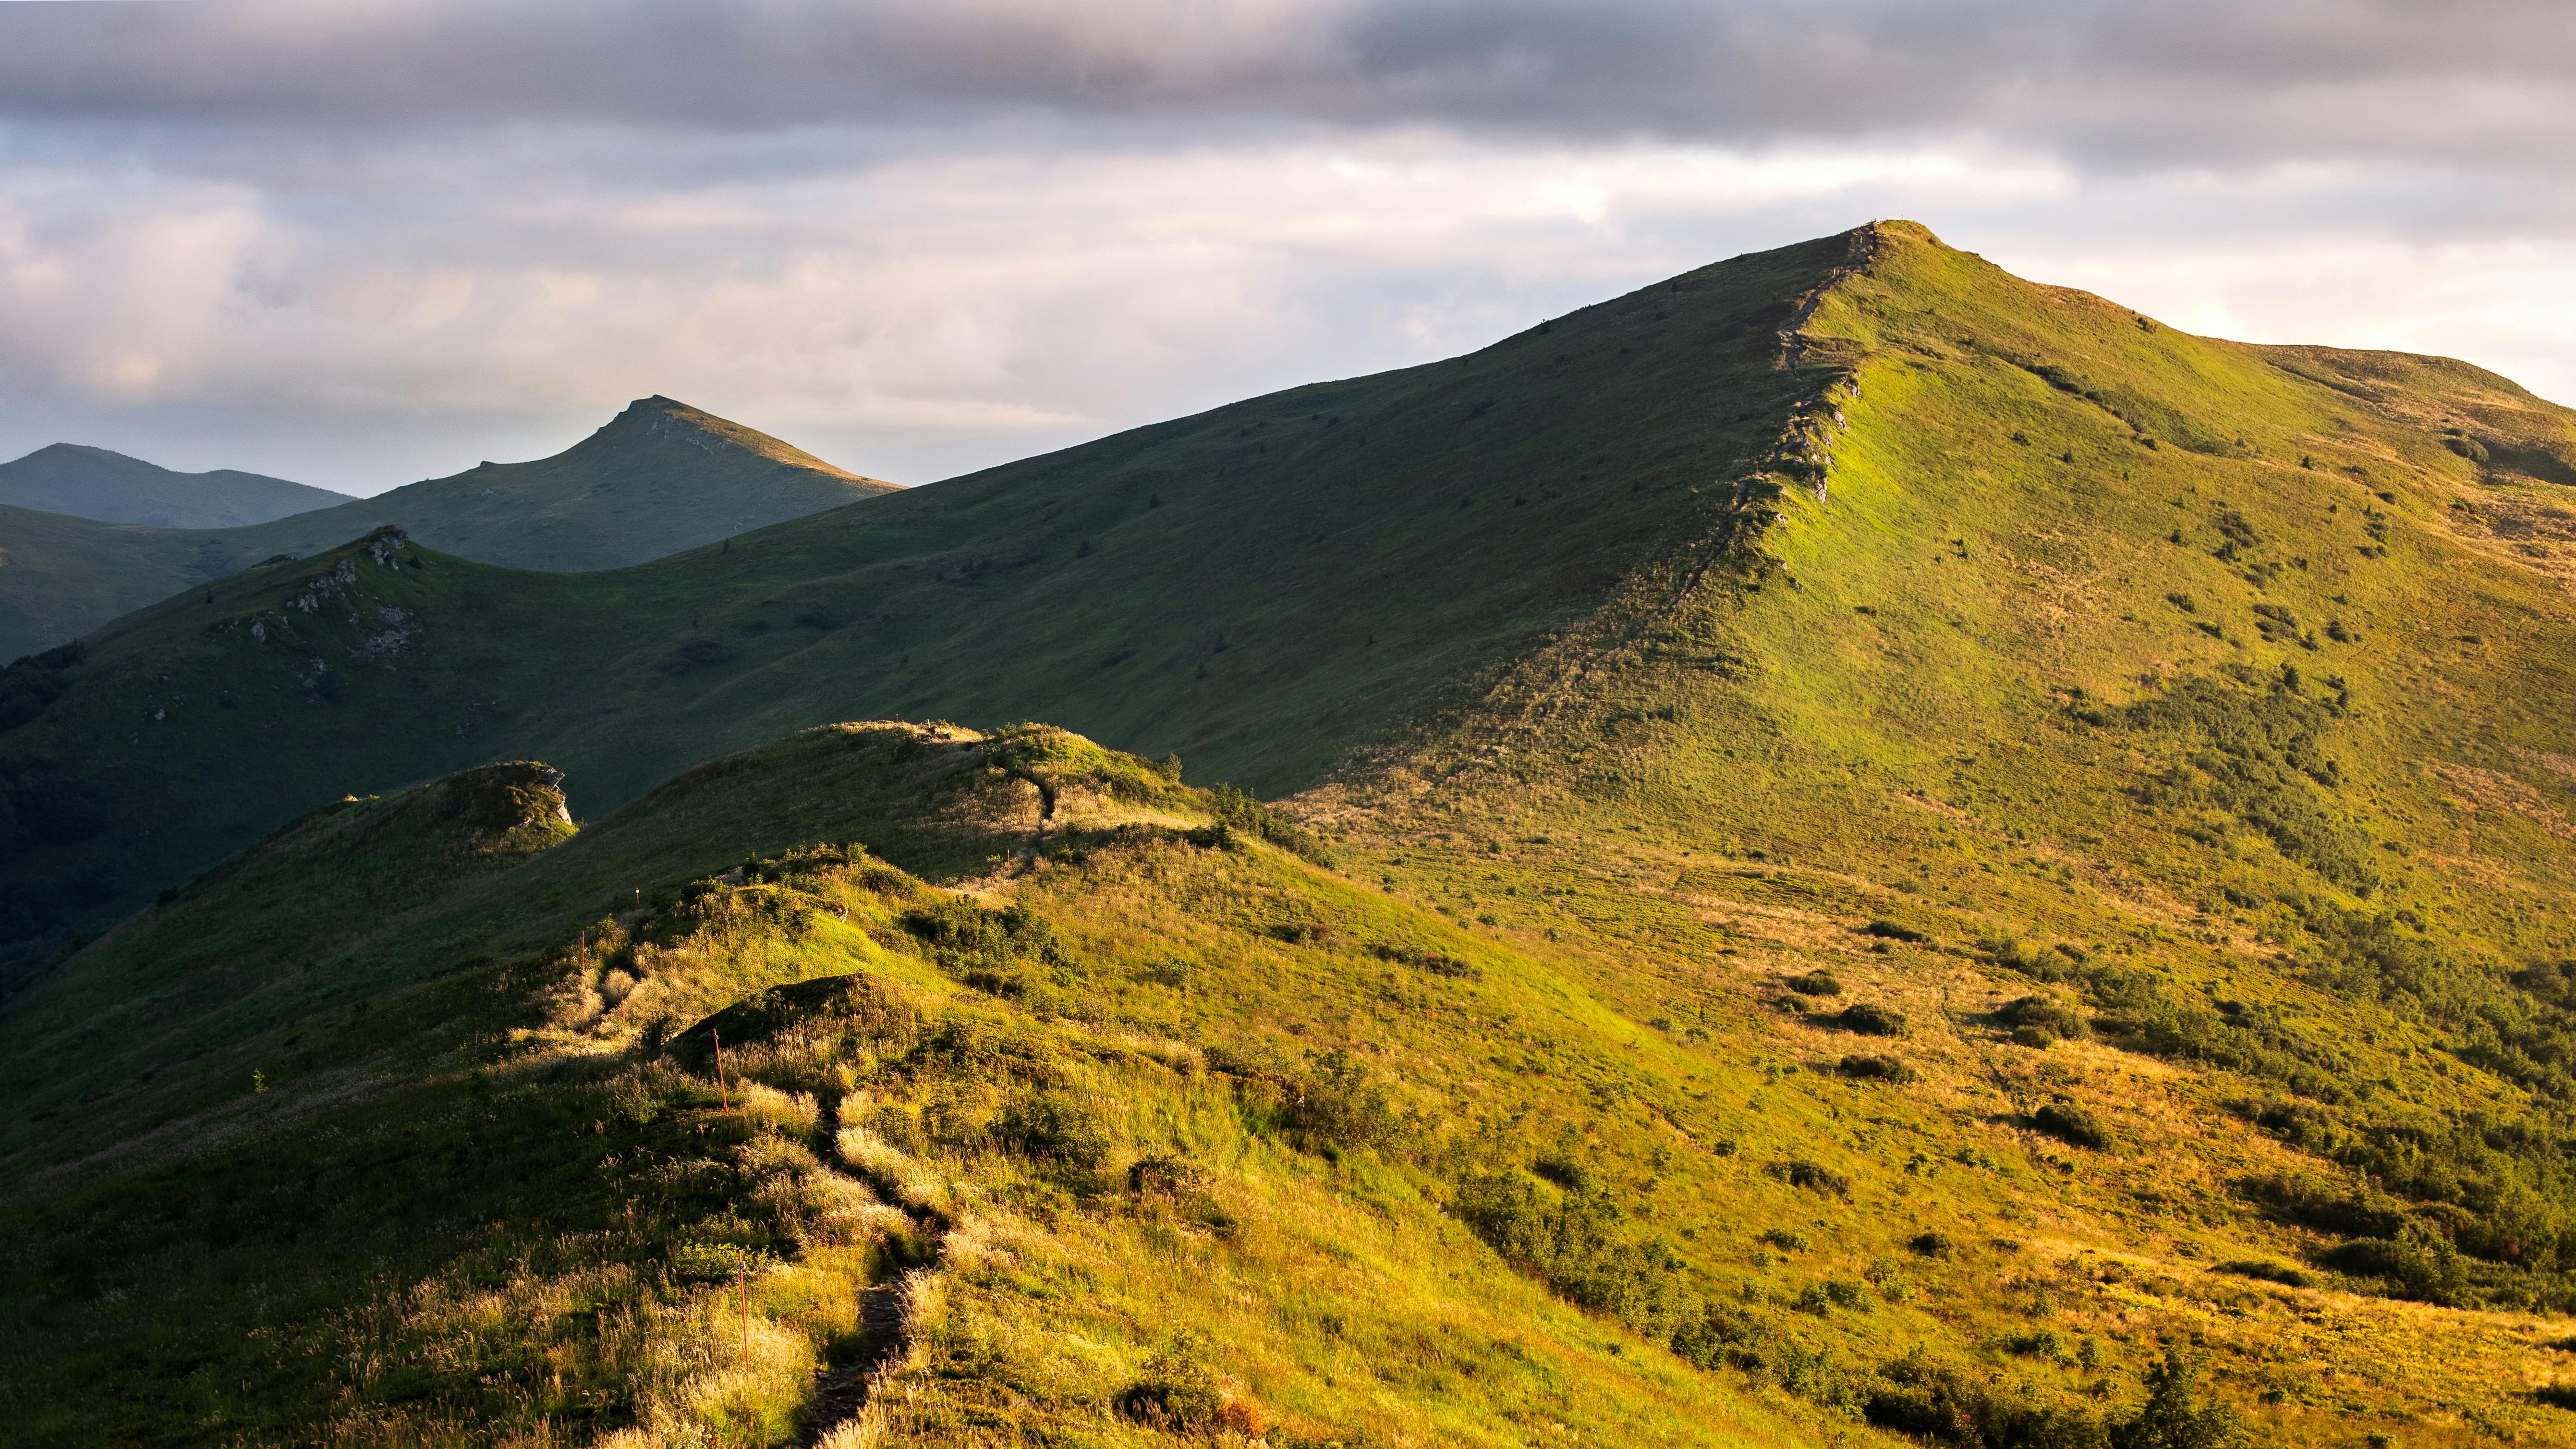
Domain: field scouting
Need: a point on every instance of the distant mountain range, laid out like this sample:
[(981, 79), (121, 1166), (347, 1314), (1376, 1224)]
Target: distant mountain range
[(110, 487), (658, 478)]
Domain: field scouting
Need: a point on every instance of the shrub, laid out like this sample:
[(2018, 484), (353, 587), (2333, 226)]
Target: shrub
[(1930, 1245), (1052, 1127), (1798, 1172), (1939, 1403), (1581, 1242), (1163, 1176), (2047, 1013), (1236, 808), (1871, 1020), (1433, 962), (2176, 1416), (1342, 1104), (2418, 1265), (1177, 1391), (1786, 1239), (1889, 1069), (1822, 1298), (2045, 1343), (2037, 1038), (2280, 1273), (1709, 1341), (2068, 1122), (1815, 983), (1891, 931)]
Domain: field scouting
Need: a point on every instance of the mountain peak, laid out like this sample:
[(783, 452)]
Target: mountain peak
[(662, 421)]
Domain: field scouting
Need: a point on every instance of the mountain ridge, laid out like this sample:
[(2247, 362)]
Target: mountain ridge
[(2005, 884), (659, 477), (110, 487)]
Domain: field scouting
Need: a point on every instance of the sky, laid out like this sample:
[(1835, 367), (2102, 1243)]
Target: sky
[(361, 242)]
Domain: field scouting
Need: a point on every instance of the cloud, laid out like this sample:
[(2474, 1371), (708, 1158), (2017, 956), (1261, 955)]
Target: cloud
[(2180, 82)]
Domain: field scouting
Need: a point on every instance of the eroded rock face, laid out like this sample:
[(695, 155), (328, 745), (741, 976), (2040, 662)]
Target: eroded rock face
[(505, 797)]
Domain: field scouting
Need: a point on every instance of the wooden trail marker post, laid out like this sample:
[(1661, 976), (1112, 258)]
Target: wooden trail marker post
[(722, 1095)]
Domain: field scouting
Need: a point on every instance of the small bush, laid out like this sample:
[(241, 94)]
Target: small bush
[(1052, 1127), (2068, 1122), (2416, 1265), (1785, 1239), (2556, 1396), (1871, 1020), (1888, 1069), (2045, 1343), (1798, 1172), (1931, 1245), (1342, 1104), (1891, 931), (2059, 1020), (2176, 1416), (1177, 1391), (1163, 1176), (1815, 983), (1818, 1298), (2037, 1038), (1432, 962), (2280, 1273)]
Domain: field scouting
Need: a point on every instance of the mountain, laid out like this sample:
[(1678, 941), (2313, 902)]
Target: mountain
[(61, 577), (1265, 587), (110, 487), (659, 478), (1923, 858)]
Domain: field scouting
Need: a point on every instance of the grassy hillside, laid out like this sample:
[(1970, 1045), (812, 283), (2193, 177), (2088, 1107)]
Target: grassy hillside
[(1067, 1168), (60, 576), (2028, 905), (110, 487), (1262, 588), (661, 477)]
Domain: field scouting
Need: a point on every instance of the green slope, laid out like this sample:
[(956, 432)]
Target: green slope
[(60, 576), (1262, 588), (2052, 851), (659, 478), (110, 487), (1197, 1138)]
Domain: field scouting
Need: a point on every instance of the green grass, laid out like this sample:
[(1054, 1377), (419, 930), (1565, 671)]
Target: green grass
[(61, 577), (2205, 992)]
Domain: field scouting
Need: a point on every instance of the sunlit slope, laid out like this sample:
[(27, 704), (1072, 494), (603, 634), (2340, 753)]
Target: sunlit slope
[(1197, 1136), (110, 487), (660, 477), (1103, 1147), (2217, 708), (1263, 588)]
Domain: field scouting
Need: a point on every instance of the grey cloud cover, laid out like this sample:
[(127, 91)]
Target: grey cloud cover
[(2194, 81)]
